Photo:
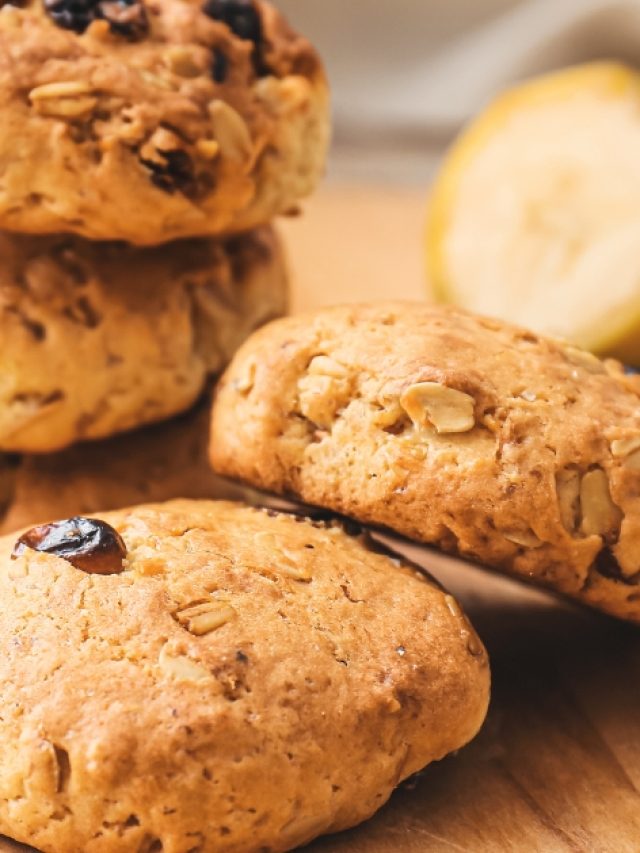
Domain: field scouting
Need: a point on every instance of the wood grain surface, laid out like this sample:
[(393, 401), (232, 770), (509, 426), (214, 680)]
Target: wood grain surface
[(556, 768)]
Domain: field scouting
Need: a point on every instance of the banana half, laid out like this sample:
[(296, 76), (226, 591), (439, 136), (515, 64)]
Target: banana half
[(535, 215)]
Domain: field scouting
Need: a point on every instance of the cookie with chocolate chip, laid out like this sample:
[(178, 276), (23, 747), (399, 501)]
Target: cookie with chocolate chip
[(160, 120), (237, 680), (98, 338), (511, 449)]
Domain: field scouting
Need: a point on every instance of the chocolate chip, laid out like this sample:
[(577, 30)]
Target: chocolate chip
[(219, 66), (128, 18), (87, 543), (631, 371)]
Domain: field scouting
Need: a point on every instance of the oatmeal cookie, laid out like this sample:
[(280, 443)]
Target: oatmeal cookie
[(511, 449), (98, 338), (204, 676), (151, 121)]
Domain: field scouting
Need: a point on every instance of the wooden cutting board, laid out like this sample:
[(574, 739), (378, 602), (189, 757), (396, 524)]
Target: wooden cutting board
[(556, 768)]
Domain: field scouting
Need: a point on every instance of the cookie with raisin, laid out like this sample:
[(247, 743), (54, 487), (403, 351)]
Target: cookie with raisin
[(152, 121), (213, 677)]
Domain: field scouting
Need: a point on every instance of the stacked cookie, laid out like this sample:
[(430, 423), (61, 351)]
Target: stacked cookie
[(144, 150)]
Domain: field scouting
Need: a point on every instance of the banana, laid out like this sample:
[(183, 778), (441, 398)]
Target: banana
[(535, 214)]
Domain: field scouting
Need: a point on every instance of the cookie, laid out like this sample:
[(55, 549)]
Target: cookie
[(160, 462), (513, 450), (151, 121), (208, 676), (99, 338)]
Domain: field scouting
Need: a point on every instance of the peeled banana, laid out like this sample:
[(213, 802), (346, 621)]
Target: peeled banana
[(535, 214)]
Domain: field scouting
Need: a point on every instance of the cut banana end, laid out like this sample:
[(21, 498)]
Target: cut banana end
[(535, 216)]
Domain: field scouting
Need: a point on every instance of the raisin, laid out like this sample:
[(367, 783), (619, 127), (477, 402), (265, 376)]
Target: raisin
[(219, 66), (87, 543), (176, 173), (127, 18), (240, 16), (607, 565), (243, 19)]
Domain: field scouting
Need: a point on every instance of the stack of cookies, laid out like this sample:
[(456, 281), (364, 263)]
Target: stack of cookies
[(144, 149)]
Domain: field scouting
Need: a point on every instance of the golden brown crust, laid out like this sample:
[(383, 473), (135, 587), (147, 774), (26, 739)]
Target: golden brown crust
[(250, 680), (142, 143), (97, 338), (514, 450), (161, 462)]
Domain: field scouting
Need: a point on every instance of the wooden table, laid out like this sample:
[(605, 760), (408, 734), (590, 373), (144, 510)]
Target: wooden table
[(556, 767)]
